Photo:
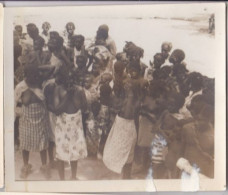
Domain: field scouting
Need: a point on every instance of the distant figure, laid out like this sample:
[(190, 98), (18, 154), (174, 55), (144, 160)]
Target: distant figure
[(212, 23), (45, 34), (68, 34)]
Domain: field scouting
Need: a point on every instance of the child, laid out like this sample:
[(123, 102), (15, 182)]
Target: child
[(166, 145), (155, 66), (92, 134)]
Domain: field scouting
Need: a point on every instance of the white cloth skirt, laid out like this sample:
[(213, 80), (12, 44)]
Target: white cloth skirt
[(120, 144)]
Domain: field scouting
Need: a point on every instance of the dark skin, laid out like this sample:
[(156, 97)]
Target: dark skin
[(130, 104), (69, 102), (28, 97)]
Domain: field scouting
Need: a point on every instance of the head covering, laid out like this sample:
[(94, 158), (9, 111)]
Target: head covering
[(133, 50), (46, 24), (103, 27), (70, 24)]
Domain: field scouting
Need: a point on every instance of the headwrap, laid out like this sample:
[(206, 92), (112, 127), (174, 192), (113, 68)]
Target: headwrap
[(103, 27)]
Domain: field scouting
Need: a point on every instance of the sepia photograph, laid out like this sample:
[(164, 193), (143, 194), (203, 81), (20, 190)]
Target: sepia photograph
[(115, 93)]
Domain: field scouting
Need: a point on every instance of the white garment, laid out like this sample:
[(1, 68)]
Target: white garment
[(46, 39), (120, 144), (184, 111), (69, 137)]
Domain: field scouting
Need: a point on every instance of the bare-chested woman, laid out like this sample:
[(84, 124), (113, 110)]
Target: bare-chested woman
[(33, 123), (119, 148), (70, 103)]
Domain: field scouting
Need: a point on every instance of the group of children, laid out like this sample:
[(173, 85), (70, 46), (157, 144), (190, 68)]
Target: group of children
[(75, 99)]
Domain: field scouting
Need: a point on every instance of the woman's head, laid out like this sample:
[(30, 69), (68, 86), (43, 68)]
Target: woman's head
[(32, 75)]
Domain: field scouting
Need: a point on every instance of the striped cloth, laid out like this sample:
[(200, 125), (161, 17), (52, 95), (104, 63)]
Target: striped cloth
[(34, 127), (159, 149)]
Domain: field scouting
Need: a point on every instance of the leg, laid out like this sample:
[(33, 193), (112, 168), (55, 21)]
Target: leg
[(43, 156), (25, 155), (73, 169), (102, 142), (26, 169), (44, 168), (127, 171), (16, 131), (61, 169), (50, 153)]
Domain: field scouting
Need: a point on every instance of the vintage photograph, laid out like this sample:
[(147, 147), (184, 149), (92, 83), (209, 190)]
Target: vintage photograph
[(114, 96)]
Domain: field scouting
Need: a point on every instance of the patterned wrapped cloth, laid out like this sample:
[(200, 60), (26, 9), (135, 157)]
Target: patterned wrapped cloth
[(69, 137), (119, 147), (34, 127)]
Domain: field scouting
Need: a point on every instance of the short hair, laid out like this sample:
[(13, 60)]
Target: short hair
[(80, 37), (46, 24), (159, 57), (167, 46), (196, 79), (17, 27), (180, 55), (54, 34), (70, 24)]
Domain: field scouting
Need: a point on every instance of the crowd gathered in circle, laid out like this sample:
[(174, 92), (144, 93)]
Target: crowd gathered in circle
[(75, 100)]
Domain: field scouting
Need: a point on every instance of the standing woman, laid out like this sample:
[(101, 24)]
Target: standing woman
[(70, 103), (33, 123), (119, 148)]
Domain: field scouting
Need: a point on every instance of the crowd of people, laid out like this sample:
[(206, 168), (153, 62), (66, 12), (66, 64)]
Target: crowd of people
[(76, 99)]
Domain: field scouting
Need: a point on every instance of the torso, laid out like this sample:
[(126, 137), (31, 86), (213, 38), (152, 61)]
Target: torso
[(28, 97)]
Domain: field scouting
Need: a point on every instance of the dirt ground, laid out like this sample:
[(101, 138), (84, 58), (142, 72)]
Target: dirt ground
[(88, 169)]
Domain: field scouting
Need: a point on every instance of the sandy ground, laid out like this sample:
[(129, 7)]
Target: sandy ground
[(192, 37), (88, 169)]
